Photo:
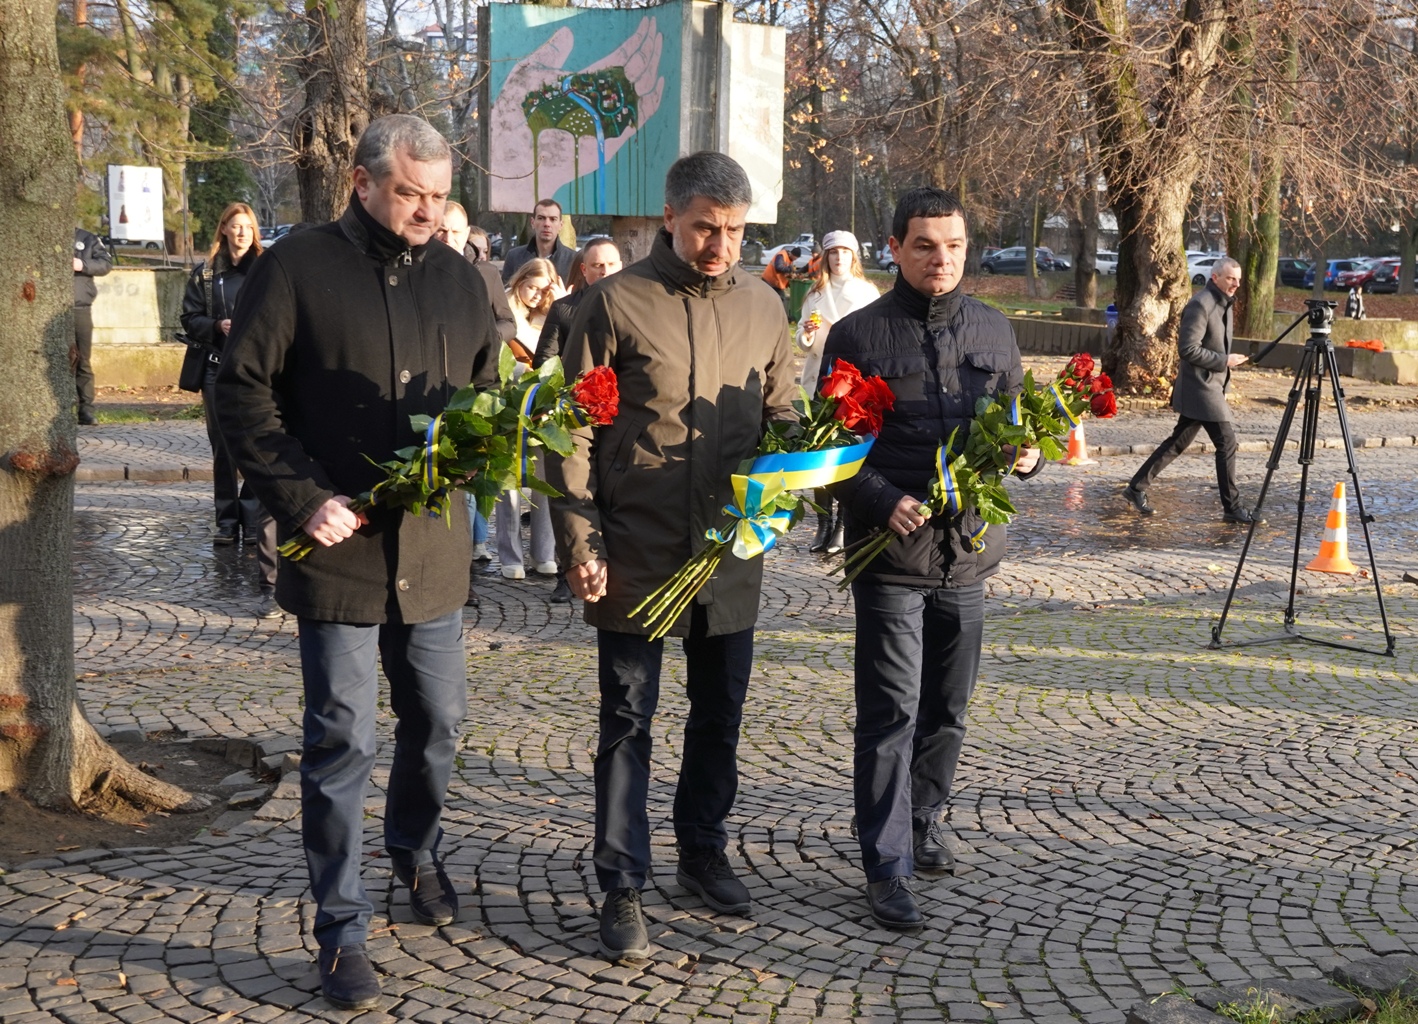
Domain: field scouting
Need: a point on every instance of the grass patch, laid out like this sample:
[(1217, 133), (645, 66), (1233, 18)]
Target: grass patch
[(148, 413)]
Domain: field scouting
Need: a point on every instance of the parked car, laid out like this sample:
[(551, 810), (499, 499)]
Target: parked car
[(1331, 272), (1106, 262), (1386, 274), (273, 234), (1291, 271), (885, 260), (1359, 276), (1199, 268), (1011, 261)]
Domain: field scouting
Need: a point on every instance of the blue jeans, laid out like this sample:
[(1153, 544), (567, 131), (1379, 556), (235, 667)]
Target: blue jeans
[(718, 668), (428, 690), (918, 653)]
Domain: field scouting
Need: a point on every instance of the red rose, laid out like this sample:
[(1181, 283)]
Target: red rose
[(855, 417), (1080, 365), (843, 379), (1104, 405), (875, 395), (598, 394), (1101, 383)]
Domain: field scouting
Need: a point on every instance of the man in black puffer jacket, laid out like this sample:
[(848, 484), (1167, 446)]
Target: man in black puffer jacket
[(920, 604)]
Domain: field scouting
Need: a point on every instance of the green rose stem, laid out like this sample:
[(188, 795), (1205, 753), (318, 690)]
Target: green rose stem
[(668, 602), (859, 554)]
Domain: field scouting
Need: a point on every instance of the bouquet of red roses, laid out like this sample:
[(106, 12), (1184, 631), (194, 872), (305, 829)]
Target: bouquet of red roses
[(484, 441), (826, 443), (970, 476)]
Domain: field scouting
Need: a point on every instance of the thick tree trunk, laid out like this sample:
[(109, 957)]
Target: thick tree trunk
[(47, 749), (76, 115), (336, 108), (1083, 236)]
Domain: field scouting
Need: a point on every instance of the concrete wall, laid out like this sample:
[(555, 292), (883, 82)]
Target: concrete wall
[(136, 316), (1053, 336)]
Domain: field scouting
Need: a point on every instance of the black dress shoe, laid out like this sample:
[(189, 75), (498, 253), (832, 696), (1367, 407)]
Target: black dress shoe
[(561, 593), (824, 533), (431, 896), (931, 853), (227, 533), (87, 418), (472, 601), (347, 978), (893, 905), (1138, 500), (838, 540), (1244, 516)]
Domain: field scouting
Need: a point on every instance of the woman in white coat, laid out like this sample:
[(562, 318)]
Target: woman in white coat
[(841, 288)]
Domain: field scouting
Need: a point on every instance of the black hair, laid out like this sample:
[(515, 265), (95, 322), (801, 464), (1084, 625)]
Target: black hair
[(924, 201)]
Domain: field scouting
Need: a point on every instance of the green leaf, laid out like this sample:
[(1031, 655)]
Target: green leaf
[(541, 487), (555, 437), (506, 364)]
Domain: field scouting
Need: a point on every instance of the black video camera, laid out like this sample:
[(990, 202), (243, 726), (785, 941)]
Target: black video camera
[(1320, 313)]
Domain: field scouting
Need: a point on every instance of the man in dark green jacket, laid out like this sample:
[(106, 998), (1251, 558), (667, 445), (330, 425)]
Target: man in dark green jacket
[(345, 331)]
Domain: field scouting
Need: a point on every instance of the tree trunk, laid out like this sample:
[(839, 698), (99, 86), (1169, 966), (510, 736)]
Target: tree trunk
[(1031, 242), (76, 115), (336, 108), (47, 749), (1408, 246), (1083, 236)]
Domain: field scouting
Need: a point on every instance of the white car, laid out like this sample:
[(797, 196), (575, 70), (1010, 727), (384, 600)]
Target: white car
[(801, 254), (1106, 262), (1199, 267)]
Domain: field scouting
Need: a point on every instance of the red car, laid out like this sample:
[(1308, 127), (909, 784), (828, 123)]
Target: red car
[(1361, 276)]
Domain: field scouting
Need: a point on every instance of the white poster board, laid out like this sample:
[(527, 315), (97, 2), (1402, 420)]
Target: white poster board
[(135, 203), (751, 110)]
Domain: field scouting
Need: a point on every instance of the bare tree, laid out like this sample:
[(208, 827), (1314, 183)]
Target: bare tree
[(47, 748), (336, 109)]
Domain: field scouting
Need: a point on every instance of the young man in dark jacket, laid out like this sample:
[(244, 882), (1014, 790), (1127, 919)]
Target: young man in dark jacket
[(345, 331), (91, 260), (920, 604)]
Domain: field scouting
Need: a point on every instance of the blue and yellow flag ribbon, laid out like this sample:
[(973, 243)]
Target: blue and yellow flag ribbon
[(430, 450), (803, 471), (754, 530), (950, 488), (1015, 415), (524, 434), (1063, 406)]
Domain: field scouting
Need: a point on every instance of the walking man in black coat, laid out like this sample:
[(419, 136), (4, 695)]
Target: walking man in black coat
[(920, 604), (344, 331), (91, 260), (1199, 394)]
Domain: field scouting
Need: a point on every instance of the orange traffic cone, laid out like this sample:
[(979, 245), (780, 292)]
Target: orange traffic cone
[(1078, 448), (1334, 549)]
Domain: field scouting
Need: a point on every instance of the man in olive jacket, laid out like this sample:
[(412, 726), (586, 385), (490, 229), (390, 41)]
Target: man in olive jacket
[(702, 353), (920, 603), (1199, 394), (344, 331)]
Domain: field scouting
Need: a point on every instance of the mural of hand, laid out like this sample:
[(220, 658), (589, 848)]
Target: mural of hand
[(514, 187)]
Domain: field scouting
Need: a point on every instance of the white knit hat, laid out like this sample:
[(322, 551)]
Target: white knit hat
[(840, 240)]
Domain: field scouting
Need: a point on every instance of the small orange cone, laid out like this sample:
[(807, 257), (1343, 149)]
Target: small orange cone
[(1078, 448), (1334, 549)]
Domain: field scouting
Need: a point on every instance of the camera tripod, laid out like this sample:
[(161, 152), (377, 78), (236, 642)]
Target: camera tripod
[(1316, 362)]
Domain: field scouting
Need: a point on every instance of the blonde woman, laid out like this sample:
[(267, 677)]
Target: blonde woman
[(841, 288), (530, 292)]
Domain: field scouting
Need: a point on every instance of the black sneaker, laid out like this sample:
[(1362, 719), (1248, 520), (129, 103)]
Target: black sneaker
[(931, 853), (267, 608), (1138, 500), (710, 875), (227, 533), (431, 896), (893, 905), (623, 926), (347, 978), (561, 593)]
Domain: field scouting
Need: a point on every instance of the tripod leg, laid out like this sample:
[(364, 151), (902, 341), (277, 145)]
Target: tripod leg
[(1309, 429), (1287, 419), (1364, 518)]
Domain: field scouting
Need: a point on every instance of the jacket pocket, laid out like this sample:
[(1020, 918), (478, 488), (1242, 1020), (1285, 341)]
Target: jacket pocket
[(982, 373), (611, 469)]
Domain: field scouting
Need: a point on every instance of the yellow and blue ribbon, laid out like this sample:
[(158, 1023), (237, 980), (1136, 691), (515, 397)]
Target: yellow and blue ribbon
[(529, 401), (1015, 415), (950, 488), (754, 531), (803, 471), (1063, 406)]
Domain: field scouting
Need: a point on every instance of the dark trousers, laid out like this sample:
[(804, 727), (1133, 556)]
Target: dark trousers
[(224, 479), (718, 669), (1222, 435), (428, 690), (918, 653), (83, 362)]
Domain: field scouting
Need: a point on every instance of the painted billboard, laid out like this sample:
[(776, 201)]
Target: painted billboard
[(135, 203), (591, 106)]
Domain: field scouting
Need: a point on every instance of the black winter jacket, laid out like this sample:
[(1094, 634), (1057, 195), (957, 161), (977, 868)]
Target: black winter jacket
[(939, 355), (557, 327), (212, 297), (97, 261), (342, 334)]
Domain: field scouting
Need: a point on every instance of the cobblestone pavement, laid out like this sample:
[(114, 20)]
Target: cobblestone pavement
[(1134, 811)]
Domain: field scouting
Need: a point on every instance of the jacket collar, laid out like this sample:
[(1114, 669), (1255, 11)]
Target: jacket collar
[(374, 239), (680, 276), (1225, 300), (935, 310)]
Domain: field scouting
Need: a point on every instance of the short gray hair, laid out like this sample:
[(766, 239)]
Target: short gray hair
[(395, 133), (1224, 264), (716, 177)]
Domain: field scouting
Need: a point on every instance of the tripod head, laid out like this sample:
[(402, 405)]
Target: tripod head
[(1320, 314)]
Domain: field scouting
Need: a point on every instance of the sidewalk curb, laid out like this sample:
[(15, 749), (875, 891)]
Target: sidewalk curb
[(144, 474)]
